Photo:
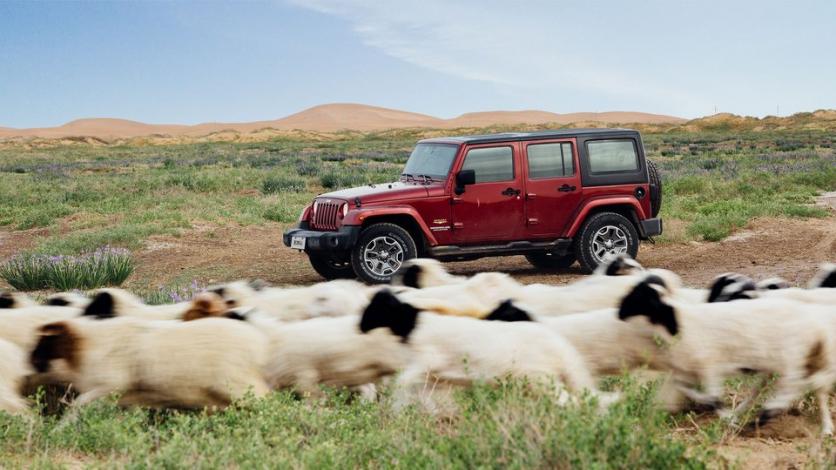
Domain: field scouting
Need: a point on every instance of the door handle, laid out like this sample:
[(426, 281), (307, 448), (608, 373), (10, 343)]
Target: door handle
[(566, 188), (511, 192)]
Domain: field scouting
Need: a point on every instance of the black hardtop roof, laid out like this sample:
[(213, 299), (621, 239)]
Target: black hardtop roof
[(517, 136)]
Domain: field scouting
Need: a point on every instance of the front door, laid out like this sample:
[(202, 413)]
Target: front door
[(491, 210), (553, 187)]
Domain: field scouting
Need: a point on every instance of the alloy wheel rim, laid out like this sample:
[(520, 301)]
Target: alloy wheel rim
[(383, 256), (609, 241)]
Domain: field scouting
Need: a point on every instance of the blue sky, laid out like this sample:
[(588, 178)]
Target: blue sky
[(190, 62)]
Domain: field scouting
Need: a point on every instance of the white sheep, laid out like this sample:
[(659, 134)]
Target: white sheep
[(825, 277), (302, 355), (13, 371), (420, 273), (703, 344), (449, 351), (20, 326), (113, 302), (325, 299), (68, 299), (9, 299), (474, 297), (154, 363)]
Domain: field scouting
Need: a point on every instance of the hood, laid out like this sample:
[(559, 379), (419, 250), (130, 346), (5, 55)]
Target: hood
[(383, 192)]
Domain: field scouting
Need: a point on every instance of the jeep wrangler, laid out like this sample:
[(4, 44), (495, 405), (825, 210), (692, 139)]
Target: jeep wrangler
[(556, 197)]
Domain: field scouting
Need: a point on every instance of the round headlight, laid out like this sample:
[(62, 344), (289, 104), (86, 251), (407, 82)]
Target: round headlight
[(345, 210), (313, 209)]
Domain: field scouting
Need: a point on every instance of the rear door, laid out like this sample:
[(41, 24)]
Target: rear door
[(553, 186), (491, 210)]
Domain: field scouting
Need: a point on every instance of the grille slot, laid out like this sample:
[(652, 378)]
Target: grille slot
[(326, 216)]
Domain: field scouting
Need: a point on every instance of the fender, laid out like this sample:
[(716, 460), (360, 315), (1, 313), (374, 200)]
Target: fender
[(606, 201), (358, 216)]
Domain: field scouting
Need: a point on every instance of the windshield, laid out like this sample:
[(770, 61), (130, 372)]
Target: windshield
[(433, 160)]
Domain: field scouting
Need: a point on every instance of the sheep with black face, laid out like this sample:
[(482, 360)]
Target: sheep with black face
[(704, 344)]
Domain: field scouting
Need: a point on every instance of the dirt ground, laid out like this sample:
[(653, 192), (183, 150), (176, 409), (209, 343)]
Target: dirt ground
[(791, 249)]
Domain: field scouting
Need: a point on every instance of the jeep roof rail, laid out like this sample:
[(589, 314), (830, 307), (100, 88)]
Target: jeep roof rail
[(516, 136)]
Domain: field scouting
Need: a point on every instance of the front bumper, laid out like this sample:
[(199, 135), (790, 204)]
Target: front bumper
[(341, 240), (651, 227)]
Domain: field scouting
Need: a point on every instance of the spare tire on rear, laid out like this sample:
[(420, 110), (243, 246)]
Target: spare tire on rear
[(655, 188)]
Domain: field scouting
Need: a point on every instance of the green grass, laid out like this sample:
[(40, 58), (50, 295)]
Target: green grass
[(513, 425), (79, 197)]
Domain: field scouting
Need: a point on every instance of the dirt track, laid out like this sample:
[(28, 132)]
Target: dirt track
[(768, 247)]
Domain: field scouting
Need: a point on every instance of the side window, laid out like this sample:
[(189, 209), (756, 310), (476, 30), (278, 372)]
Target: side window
[(612, 156), (490, 164), (550, 160)]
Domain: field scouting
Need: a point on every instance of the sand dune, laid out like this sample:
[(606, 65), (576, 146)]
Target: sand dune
[(330, 118)]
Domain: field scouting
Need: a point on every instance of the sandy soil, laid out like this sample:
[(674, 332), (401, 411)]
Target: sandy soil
[(331, 118)]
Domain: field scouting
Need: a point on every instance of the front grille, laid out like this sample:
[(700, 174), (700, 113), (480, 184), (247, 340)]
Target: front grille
[(325, 217)]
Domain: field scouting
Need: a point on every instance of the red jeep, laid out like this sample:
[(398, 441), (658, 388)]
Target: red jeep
[(554, 196)]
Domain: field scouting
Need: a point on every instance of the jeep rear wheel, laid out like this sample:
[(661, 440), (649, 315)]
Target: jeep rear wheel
[(603, 235), (550, 261), (380, 251), (330, 267)]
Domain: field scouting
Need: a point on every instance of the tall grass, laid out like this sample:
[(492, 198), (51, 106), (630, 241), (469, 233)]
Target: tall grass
[(104, 267)]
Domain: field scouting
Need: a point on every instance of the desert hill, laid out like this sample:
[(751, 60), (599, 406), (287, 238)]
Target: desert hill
[(330, 118)]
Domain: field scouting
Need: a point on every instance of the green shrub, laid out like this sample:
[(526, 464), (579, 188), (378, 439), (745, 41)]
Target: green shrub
[(283, 183), (103, 267)]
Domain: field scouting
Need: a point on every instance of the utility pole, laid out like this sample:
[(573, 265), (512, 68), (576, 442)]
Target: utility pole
[(778, 110)]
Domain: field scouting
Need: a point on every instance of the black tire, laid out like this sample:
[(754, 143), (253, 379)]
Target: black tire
[(550, 261), (331, 268), (619, 225), (655, 188), (391, 238)]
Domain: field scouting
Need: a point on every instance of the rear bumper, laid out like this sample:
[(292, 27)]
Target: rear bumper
[(341, 240), (651, 227)]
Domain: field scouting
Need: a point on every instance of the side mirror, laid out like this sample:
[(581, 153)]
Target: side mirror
[(464, 178)]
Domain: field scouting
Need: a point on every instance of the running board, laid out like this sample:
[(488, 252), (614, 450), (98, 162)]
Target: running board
[(559, 247)]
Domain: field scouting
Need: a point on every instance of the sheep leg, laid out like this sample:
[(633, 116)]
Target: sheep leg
[(788, 389), (823, 398), (75, 408)]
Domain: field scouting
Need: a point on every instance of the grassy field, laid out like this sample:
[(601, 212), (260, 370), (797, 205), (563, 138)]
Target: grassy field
[(515, 425), (77, 198), (83, 197)]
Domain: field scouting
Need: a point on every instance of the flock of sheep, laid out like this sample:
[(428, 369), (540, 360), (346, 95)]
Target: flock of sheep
[(427, 334)]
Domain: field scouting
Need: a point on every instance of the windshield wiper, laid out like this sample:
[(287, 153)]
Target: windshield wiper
[(407, 176), (426, 179)]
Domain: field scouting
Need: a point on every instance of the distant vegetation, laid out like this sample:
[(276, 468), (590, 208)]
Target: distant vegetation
[(78, 197)]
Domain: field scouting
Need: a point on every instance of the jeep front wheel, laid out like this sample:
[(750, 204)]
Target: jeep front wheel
[(603, 235), (331, 268), (381, 249)]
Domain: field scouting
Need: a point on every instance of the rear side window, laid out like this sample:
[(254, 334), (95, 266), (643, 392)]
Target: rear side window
[(612, 156), (490, 164), (550, 160)]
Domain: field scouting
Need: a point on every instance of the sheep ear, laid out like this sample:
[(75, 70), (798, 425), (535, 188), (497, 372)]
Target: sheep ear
[(826, 277), (645, 300), (387, 311), (57, 341), (654, 279), (101, 307), (7, 300), (507, 311), (220, 290), (57, 302), (408, 277)]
